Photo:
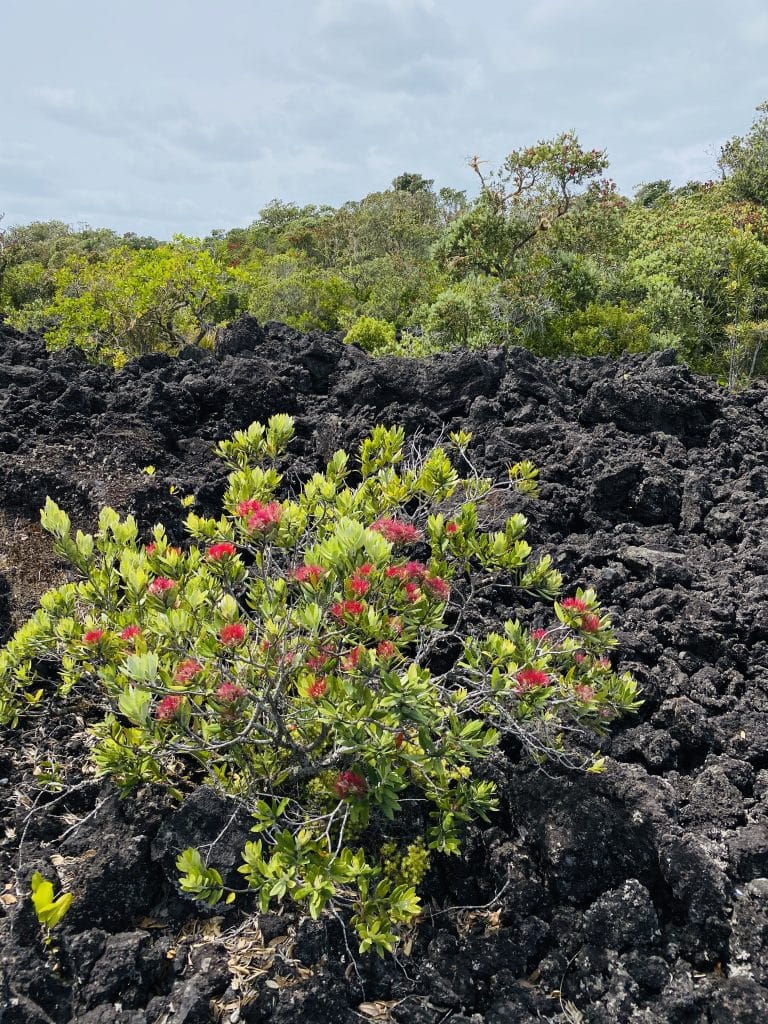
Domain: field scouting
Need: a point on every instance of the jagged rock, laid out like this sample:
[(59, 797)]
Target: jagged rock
[(640, 894)]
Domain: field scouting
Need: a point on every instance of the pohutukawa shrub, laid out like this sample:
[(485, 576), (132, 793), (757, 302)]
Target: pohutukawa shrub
[(284, 656)]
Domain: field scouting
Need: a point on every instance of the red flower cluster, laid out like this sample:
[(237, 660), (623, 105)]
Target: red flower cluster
[(573, 604), (92, 636), (160, 585), (350, 661), (538, 634), (412, 592), (396, 532), (186, 670), (349, 784), (233, 634), (530, 678), (584, 693), (437, 587), (317, 688), (168, 707), (245, 508), (342, 608), (260, 518), (130, 633), (451, 527), (319, 660), (386, 649), (230, 693), (218, 551), (308, 574), (358, 584), (590, 623)]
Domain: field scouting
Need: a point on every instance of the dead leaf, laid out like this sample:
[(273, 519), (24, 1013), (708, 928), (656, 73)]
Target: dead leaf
[(145, 923), (377, 1010)]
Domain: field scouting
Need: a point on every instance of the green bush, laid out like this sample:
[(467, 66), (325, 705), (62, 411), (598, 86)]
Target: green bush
[(372, 335), (285, 656)]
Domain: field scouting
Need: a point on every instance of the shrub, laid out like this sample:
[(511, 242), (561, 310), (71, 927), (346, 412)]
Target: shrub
[(372, 335), (285, 657)]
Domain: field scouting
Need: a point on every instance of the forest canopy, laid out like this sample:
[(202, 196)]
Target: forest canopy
[(547, 254)]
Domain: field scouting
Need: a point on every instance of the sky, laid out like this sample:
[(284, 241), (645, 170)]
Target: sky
[(165, 116)]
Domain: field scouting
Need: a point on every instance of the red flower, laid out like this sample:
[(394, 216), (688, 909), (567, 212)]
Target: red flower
[(308, 574), (358, 585), (93, 636), (168, 707), (349, 784), (451, 527), (233, 634), (343, 608), (350, 661), (262, 517), (590, 623), (317, 688), (160, 585), (130, 633), (573, 604), (218, 551), (530, 678), (244, 508), (316, 661), (412, 592), (416, 570), (584, 693), (437, 587), (150, 548), (230, 693), (538, 634), (604, 662), (397, 572), (186, 670), (386, 649), (396, 532), (364, 570)]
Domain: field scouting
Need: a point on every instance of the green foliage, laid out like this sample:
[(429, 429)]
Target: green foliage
[(49, 911), (745, 161), (533, 189), (133, 301), (290, 288), (284, 657), (599, 330), (547, 255), (375, 336)]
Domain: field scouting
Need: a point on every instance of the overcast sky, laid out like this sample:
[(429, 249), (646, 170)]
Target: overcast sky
[(158, 116)]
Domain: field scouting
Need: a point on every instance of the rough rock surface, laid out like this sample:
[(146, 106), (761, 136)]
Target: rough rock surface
[(638, 896)]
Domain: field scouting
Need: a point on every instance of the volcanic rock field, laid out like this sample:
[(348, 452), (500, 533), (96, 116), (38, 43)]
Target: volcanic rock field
[(637, 896)]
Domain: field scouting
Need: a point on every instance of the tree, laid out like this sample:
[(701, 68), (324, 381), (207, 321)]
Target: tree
[(137, 300), (744, 161), (413, 183), (533, 189), (653, 192)]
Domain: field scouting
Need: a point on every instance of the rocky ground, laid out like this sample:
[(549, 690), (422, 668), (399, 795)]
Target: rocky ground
[(637, 896)]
